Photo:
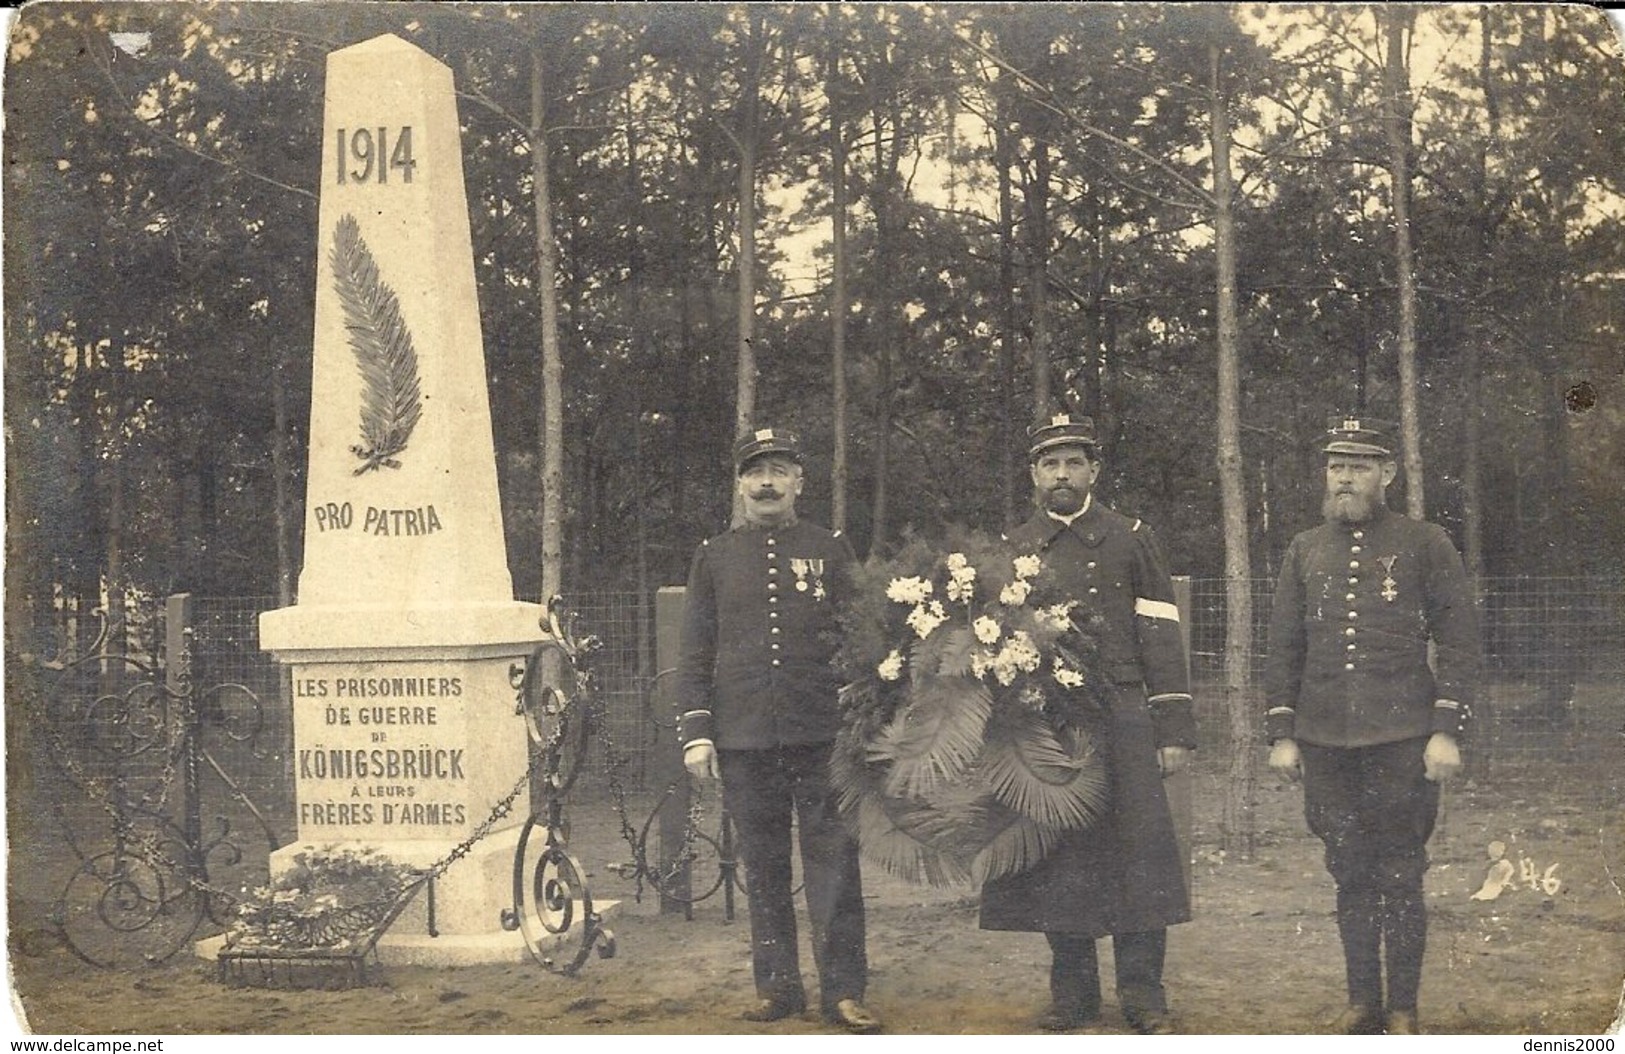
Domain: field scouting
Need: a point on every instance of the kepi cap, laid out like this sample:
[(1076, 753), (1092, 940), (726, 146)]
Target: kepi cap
[(1360, 436), (766, 441), (1061, 430)]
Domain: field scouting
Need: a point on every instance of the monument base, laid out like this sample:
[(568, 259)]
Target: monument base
[(459, 922)]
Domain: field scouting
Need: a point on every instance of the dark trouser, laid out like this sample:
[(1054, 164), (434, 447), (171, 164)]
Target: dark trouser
[(762, 788), (1374, 809), (1074, 973)]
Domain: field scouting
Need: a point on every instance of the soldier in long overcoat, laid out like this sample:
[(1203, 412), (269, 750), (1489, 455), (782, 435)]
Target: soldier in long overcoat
[(757, 686), (1361, 711), (1122, 876)]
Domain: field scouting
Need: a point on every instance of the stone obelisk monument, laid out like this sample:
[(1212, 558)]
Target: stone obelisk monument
[(400, 645)]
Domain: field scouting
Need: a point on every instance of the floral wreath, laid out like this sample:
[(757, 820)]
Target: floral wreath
[(969, 722)]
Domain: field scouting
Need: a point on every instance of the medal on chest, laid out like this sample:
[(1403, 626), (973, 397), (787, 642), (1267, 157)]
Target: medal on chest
[(809, 575), (1390, 588)]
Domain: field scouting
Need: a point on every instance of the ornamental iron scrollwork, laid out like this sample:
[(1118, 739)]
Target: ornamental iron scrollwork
[(129, 734), (552, 903)]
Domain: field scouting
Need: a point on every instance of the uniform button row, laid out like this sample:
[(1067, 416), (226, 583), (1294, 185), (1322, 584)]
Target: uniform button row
[(1354, 548), (1348, 666), (1354, 565), (1354, 614), (1351, 631), (775, 662)]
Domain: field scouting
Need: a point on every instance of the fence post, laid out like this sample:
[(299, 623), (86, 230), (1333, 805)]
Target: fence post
[(1179, 785), (666, 760), (178, 615)]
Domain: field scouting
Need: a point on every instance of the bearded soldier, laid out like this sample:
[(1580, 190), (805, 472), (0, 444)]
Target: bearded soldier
[(1358, 710), (1122, 876)]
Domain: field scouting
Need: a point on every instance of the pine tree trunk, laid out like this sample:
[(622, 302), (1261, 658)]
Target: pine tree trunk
[(838, 305), (1238, 821), (1396, 122), (552, 422)]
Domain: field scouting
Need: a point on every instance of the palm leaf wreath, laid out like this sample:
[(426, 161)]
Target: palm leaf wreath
[(390, 399), (969, 723)]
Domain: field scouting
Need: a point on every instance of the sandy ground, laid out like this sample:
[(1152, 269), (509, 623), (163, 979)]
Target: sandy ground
[(1261, 955)]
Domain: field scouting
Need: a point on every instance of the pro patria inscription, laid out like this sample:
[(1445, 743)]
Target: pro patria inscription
[(341, 516)]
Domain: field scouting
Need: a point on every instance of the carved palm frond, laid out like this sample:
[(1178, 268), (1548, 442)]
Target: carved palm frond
[(1033, 772), (391, 401)]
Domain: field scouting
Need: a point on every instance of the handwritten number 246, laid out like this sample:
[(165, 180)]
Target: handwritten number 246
[(367, 149)]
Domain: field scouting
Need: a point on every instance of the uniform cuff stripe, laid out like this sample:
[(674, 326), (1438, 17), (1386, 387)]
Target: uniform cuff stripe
[(1282, 710), (691, 713), (697, 743), (1168, 697), (1156, 609), (1447, 704)]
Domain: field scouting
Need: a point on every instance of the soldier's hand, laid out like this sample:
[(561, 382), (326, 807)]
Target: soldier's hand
[(701, 761), (1285, 760), (1172, 759), (1442, 758)]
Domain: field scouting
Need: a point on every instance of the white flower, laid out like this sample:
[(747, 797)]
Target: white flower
[(908, 590), (1057, 616), (924, 620), (957, 561), (891, 667), (981, 661), (961, 584), (1018, 655), (1015, 594), (1067, 677), (1027, 566), (987, 629)]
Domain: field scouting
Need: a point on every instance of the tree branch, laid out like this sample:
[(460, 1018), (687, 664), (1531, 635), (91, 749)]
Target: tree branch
[(99, 57), (1041, 97)]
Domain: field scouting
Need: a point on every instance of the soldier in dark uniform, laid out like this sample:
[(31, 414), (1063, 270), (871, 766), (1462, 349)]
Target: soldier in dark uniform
[(1123, 876), (758, 690), (1359, 712)]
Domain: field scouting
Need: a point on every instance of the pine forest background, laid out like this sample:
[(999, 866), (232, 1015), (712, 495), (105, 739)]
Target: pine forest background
[(903, 229)]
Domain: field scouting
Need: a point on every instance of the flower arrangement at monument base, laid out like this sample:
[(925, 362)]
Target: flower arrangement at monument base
[(332, 899), (971, 713)]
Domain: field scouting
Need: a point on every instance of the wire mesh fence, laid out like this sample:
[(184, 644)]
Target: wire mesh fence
[(1550, 714)]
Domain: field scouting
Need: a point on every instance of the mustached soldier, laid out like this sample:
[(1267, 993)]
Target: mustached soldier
[(757, 684)]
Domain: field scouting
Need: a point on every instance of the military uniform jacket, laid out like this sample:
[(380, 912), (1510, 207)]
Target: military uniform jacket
[(1354, 610), (755, 668), (1124, 874)]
